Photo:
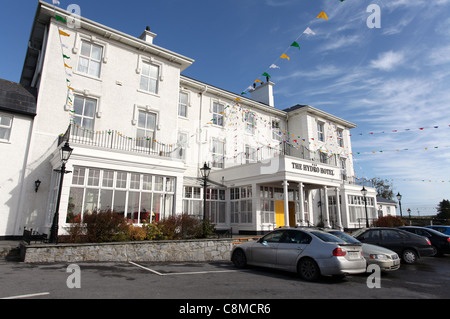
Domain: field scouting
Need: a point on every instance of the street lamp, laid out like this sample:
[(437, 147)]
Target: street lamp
[(364, 193), (205, 170), (399, 197), (66, 151)]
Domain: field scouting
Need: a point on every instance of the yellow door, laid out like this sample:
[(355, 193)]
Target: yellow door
[(279, 213)]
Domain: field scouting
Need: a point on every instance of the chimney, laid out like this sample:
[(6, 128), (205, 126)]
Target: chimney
[(264, 93), (148, 36)]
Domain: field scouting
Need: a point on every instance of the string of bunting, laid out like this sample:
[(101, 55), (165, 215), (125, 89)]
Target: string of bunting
[(284, 56), (420, 129)]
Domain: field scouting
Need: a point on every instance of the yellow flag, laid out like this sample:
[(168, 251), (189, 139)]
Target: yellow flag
[(64, 34), (284, 56), (322, 15), (69, 67), (257, 80)]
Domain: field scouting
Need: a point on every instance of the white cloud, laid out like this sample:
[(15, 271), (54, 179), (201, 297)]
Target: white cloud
[(388, 61)]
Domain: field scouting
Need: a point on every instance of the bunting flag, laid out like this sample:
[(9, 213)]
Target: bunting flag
[(266, 74), (322, 15), (258, 80), (59, 18), (64, 33), (309, 31), (295, 44), (273, 66), (284, 56)]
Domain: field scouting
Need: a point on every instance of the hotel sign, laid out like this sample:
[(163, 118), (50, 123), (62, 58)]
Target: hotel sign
[(312, 168)]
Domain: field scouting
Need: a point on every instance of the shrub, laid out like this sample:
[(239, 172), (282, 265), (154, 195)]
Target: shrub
[(104, 226), (389, 221)]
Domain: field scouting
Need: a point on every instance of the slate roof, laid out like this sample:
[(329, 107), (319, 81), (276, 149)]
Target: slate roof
[(16, 98)]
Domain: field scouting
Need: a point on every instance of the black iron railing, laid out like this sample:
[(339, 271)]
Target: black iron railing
[(114, 140)]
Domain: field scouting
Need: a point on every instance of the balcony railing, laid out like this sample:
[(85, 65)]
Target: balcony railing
[(114, 140)]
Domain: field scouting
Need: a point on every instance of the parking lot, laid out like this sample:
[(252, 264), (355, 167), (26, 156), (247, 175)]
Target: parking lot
[(428, 279)]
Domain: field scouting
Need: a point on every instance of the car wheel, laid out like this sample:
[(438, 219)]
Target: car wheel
[(409, 256), (308, 270), (238, 258)]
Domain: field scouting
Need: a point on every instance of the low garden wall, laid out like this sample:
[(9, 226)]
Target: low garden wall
[(152, 251)]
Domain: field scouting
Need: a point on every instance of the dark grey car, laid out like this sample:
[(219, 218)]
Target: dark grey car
[(408, 246)]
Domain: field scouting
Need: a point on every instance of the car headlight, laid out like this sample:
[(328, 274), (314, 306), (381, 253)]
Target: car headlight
[(378, 256)]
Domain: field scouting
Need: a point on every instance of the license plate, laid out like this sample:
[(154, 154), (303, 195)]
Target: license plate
[(354, 254)]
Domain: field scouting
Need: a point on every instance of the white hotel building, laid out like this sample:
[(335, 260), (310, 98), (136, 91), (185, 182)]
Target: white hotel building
[(140, 131)]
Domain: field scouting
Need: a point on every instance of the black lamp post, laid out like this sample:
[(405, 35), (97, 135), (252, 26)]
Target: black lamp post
[(66, 151), (399, 197), (205, 170), (364, 193)]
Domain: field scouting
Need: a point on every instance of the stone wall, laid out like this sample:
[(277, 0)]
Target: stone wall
[(153, 251)]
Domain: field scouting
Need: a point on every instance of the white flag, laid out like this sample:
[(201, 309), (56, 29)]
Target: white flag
[(309, 31), (56, 2), (273, 66)]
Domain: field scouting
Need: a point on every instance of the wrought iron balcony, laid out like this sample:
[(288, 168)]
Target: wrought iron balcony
[(114, 140)]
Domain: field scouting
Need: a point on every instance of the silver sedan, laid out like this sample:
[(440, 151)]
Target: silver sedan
[(309, 252), (387, 259)]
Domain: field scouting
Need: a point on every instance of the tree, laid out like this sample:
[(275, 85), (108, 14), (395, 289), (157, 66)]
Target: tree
[(384, 189), (443, 209)]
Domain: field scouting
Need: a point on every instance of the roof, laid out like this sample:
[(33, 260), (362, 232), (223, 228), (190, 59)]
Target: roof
[(17, 98), (382, 200), (309, 109)]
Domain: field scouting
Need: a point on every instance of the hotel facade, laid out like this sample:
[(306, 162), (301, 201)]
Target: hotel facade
[(140, 132)]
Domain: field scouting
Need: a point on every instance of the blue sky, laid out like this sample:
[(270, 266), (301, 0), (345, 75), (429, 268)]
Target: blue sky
[(392, 81)]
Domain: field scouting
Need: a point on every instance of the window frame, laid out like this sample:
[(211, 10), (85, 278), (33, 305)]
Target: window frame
[(90, 58), (7, 128)]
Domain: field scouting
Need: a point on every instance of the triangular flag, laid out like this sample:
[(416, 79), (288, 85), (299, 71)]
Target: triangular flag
[(266, 74), (69, 67), (64, 34), (59, 18), (258, 80), (295, 44), (66, 57), (322, 15), (273, 66), (284, 56), (309, 31)]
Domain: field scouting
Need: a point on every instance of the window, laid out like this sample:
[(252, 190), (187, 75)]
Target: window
[(133, 195), (192, 201), (218, 112), (90, 59), (357, 210), (276, 131), (215, 205), (249, 118), (183, 104), (320, 126), (323, 157), (84, 116), (149, 78), (5, 127), (182, 143), (146, 127), (340, 137), (250, 154), (218, 153), (241, 205)]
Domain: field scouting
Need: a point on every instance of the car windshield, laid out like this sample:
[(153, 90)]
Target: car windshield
[(358, 232), (345, 237), (328, 237)]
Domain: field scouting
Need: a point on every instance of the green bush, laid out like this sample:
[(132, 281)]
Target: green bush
[(108, 226)]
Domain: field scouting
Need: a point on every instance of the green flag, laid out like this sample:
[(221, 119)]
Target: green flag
[(266, 74), (66, 57), (295, 44), (59, 18)]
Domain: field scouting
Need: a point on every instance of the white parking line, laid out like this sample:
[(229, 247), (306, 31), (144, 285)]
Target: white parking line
[(182, 273), (28, 296)]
